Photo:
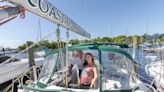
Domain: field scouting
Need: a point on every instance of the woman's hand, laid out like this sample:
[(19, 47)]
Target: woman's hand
[(91, 86)]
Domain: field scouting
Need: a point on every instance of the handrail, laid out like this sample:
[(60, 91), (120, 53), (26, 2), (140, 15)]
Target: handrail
[(8, 87)]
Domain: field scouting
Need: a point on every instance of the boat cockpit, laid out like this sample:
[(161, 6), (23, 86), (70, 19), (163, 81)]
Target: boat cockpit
[(116, 70)]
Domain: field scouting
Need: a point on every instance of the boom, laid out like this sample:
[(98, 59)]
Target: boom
[(46, 10)]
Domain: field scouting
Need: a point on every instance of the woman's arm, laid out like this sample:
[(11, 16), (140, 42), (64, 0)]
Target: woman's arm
[(94, 80)]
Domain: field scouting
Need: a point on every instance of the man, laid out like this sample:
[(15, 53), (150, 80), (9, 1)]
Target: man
[(3, 49), (76, 62)]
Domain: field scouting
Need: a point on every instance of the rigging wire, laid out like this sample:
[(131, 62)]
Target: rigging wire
[(66, 61), (39, 34), (13, 57)]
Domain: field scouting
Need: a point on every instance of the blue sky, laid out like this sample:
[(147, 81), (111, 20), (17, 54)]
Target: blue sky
[(99, 17)]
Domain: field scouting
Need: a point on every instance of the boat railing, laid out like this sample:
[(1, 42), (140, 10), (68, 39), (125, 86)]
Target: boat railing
[(157, 83), (20, 78), (151, 69), (142, 67), (153, 81)]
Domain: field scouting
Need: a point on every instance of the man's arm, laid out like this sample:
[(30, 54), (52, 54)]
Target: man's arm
[(70, 69)]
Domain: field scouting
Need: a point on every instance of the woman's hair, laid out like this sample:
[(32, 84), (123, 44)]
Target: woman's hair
[(85, 62)]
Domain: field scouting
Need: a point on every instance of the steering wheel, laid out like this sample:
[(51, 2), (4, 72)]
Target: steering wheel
[(143, 87)]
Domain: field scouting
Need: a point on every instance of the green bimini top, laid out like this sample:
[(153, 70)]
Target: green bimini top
[(94, 47), (121, 45)]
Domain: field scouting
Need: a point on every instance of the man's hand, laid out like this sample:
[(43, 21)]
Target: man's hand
[(69, 73)]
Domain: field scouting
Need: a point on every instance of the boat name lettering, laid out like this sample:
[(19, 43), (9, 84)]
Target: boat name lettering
[(46, 8)]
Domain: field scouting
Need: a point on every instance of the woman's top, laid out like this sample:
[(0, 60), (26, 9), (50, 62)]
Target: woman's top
[(87, 75)]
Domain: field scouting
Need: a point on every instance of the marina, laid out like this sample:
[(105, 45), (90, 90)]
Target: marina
[(75, 61)]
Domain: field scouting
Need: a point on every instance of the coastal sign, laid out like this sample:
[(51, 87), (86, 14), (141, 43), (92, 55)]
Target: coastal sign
[(48, 11)]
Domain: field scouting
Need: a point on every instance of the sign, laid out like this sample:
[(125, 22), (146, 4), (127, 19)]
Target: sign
[(46, 10)]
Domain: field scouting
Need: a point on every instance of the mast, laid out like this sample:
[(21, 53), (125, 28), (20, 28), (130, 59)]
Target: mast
[(39, 36)]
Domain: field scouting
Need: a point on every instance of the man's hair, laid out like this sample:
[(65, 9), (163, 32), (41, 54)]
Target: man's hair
[(80, 51)]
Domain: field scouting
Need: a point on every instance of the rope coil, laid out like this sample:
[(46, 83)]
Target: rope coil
[(21, 12)]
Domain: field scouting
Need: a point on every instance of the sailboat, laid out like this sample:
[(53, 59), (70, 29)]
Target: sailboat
[(156, 71), (117, 72), (11, 70), (14, 69), (11, 65), (115, 66), (155, 68)]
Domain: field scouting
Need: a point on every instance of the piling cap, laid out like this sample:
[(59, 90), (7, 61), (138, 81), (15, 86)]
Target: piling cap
[(136, 41)]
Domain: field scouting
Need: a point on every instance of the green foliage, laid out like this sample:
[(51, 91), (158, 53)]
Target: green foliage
[(53, 45), (30, 42), (118, 39), (106, 39), (22, 47), (74, 41), (162, 39)]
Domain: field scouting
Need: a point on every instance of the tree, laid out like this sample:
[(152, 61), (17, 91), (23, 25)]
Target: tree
[(162, 39), (106, 39), (118, 39), (44, 44), (53, 45), (22, 47), (74, 41)]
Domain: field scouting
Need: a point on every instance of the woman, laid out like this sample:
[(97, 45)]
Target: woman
[(89, 74)]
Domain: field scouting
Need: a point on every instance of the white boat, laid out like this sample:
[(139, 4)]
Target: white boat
[(155, 47), (156, 71), (151, 57), (117, 72), (12, 70), (15, 67), (155, 67)]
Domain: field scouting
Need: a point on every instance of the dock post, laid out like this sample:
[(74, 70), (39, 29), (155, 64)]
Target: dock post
[(135, 46), (136, 53), (30, 59)]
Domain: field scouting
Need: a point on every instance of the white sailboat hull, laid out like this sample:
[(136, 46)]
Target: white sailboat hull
[(156, 70), (14, 69)]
